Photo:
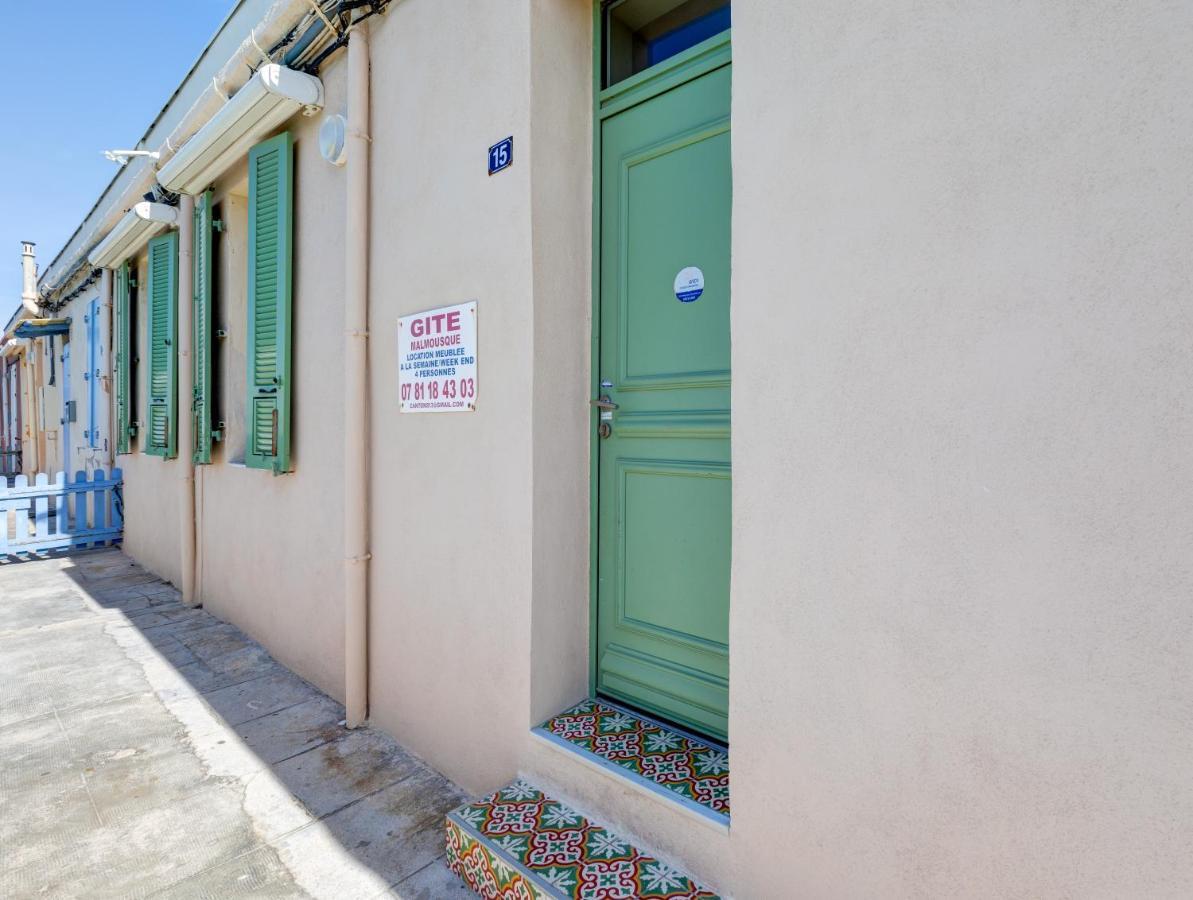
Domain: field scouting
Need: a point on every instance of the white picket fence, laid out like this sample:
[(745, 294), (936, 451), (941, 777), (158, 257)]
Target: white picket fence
[(60, 515)]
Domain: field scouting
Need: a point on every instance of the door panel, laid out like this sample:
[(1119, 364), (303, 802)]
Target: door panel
[(675, 547), (662, 189), (665, 488)]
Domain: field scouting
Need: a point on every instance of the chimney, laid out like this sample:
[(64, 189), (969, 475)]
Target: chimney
[(29, 296)]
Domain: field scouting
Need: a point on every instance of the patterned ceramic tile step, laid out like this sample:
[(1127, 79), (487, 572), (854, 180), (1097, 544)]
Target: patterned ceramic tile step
[(519, 844), (677, 765)]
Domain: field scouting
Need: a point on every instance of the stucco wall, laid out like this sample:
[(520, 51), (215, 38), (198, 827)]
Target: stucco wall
[(271, 547), (561, 244), (962, 394), (151, 483), (963, 408), (465, 582), (268, 548), (450, 575)]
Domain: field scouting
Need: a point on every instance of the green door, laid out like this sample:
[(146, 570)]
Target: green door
[(664, 490)]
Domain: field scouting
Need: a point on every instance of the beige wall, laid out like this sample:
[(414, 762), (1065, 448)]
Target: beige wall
[(561, 245), (270, 548), (962, 394), (442, 232), (959, 617), (450, 575), (151, 483), (479, 572)]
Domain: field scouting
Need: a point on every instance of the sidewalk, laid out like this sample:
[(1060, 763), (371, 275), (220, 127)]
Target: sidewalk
[(151, 750)]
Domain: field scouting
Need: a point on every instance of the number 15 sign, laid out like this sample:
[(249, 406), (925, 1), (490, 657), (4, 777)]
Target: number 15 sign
[(437, 360), (501, 156)]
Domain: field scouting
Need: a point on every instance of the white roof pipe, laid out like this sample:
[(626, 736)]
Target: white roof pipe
[(29, 296), (278, 21)]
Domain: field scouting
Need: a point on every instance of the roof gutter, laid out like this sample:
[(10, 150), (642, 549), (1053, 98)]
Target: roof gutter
[(281, 18)]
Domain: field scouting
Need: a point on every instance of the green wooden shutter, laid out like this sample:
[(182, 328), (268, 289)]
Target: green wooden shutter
[(201, 331), (270, 242), (162, 431), (122, 364)]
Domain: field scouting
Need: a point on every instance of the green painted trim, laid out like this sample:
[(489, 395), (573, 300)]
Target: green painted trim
[(201, 343), (717, 51), (122, 344), (595, 352)]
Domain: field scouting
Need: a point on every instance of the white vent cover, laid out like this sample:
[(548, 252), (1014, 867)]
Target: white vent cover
[(268, 99)]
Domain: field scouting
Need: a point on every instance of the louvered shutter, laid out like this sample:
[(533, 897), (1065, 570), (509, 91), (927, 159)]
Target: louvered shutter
[(91, 376), (270, 238), (201, 331), (162, 430), (123, 362)]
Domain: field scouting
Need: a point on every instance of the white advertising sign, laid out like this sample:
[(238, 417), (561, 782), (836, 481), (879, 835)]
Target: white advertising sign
[(437, 360)]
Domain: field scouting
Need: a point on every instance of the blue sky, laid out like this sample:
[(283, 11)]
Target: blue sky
[(83, 76)]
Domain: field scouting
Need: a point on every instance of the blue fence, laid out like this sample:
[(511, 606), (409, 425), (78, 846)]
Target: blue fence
[(59, 515)]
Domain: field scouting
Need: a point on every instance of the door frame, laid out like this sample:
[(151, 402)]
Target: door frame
[(706, 56)]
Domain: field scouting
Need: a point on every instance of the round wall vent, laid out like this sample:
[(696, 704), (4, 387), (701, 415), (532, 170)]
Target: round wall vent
[(332, 143)]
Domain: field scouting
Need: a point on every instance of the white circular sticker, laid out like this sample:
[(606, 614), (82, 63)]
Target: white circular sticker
[(689, 284)]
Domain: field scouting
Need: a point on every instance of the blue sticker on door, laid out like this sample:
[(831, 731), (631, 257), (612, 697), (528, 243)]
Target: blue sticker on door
[(689, 284)]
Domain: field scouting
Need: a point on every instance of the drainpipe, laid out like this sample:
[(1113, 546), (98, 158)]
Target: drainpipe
[(29, 297), (186, 392), (105, 329), (356, 320)]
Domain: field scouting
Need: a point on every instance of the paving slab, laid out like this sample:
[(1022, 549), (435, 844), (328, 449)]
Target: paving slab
[(394, 832), (434, 881), (343, 771), (150, 750), (294, 730), (259, 697)]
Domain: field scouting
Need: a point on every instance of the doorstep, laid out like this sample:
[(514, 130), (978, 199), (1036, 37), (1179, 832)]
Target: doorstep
[(690, 772), (519, 842)]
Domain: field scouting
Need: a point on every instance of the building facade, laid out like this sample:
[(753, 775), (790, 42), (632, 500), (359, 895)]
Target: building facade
[(832, 405)]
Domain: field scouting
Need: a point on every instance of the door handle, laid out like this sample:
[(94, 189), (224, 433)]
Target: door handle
[(604, 402)]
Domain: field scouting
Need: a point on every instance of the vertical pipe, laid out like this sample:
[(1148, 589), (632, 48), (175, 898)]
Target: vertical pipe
[(186, 393), (356, 318), (104, 330)]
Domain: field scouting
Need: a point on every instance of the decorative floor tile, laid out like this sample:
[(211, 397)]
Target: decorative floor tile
[(671, 762), (519, 844)]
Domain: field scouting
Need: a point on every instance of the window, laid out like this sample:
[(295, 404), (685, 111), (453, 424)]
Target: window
[(271, 165), (162, 391), (230, 316), (639, 34)]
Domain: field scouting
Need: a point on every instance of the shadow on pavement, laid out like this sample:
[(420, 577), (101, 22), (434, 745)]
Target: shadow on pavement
[(151, 749)]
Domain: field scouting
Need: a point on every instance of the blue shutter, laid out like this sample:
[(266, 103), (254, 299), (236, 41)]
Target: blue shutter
[(91, 375)]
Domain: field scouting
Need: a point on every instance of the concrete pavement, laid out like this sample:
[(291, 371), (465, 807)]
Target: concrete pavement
[(148, 750)]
